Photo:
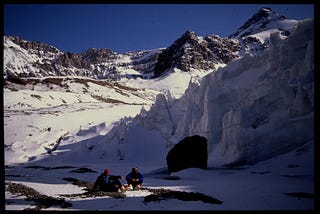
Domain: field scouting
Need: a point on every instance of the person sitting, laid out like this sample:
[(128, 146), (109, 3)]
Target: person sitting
[(108, 183), (134, 178)]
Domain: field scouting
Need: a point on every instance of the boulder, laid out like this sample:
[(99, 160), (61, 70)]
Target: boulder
[(191, 152)]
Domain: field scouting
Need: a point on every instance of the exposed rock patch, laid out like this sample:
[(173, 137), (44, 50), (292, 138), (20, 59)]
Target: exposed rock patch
[(300, 195), (165, 194), (41, 201)]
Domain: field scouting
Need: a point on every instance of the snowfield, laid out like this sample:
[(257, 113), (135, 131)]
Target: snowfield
[(259, 187), (58, 129)]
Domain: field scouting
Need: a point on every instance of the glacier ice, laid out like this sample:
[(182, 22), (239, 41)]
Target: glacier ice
[(253, 109)]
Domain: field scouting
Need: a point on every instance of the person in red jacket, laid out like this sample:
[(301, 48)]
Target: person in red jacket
[(134, 178), (108, 183)]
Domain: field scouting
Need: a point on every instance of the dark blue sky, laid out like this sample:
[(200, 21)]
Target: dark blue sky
[(126, 27)]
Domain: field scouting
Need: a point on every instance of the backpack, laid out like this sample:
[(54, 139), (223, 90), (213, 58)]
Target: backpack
[(107, 180)]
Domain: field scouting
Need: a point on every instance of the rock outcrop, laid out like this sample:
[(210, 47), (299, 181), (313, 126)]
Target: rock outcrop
[(193, 52)]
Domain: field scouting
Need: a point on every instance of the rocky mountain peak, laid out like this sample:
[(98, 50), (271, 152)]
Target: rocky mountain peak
[(189, 35), (263, 12), (31, 45), (194, 52), (254, 34), (185, 53), (257, 22)]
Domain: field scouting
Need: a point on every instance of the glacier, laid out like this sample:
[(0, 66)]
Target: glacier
[(253, 109)]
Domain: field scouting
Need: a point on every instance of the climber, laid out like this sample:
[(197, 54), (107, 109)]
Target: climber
[(134, 179), (109, 183)]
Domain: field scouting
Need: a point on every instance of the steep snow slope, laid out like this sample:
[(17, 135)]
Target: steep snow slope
[(265, 19), (47, 110), (173, 84), (253, 35)]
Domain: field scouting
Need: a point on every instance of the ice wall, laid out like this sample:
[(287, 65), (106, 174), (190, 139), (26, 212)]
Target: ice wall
[(253, 109), (256, 107)]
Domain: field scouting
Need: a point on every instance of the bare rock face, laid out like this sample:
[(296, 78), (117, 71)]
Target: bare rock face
[(71, 59), (193, 52), (95, 56), (38, 46), (191, 152), (224, 49)]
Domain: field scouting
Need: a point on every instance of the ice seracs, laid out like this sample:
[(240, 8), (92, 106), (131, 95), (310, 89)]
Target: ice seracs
[(254, 108)]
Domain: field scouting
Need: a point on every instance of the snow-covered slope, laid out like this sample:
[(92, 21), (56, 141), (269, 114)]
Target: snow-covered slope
[(44, 110), (254, 34), (34, 59)]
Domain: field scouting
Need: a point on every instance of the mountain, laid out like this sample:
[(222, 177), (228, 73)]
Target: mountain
[(253, 35), (263, 20), (34, 59), (193, 52), (188, 53)]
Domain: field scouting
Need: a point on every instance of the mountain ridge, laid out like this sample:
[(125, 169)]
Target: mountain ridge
[(188, 52)]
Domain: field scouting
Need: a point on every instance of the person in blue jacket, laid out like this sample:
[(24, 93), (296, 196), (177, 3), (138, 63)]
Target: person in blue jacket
[(134, 178)]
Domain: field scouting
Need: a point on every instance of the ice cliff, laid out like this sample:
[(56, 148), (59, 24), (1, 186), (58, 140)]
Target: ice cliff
[(253, 109)]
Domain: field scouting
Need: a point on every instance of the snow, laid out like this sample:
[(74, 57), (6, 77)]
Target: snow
[(261, 29), (123, 59), (258, 187), (43, 116), (174, 83), (76, 127), (20, 60), (287, 24)]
